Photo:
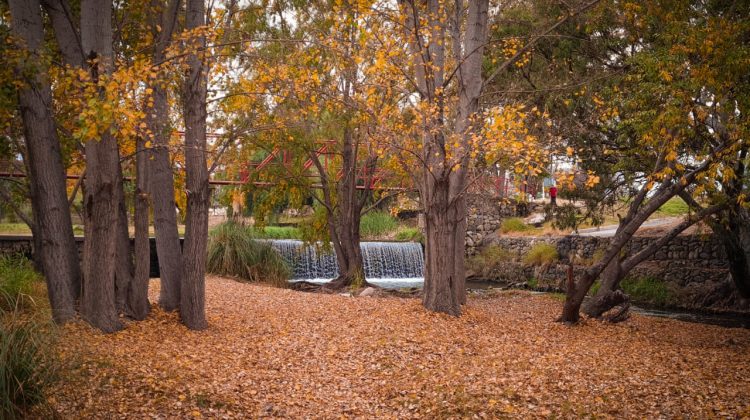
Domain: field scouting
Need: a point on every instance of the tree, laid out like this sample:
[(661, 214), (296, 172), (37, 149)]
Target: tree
[(101, 197), (679, 133), (52, 223), (193, 289)]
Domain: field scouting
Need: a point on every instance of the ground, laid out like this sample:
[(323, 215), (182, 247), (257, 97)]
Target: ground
[(281, 353)]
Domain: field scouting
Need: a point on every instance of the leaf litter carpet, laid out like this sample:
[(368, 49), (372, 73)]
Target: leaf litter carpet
[(279, 353)]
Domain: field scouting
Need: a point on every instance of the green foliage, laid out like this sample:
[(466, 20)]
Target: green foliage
[(278, 232), (377, 224), (26, 366), (410, 235), (233, 250), (488, 262), (14, 228), (540, 254), (514, 224), (647, 290), (532, 283), (674, 207), (17, 280)]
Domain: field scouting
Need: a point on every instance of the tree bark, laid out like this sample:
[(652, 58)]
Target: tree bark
[(137, 302), (124, 264), (441, 292), (54, 230), (193, 291), (101, 198), (161, 177)]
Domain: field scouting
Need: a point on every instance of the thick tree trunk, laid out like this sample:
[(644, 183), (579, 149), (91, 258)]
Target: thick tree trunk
[(193, 291), (54, 231), (101, 198), (441, 286), (138, 305)]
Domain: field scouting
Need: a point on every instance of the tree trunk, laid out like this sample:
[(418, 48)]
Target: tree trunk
[(162, 198), (441, 292), (193, 291), (55, 242), (344, 221), (606, 297), (124, 264), (138, 305), (101, 199)]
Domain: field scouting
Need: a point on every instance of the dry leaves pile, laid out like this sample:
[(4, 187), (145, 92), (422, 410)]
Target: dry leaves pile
[(280, 353)]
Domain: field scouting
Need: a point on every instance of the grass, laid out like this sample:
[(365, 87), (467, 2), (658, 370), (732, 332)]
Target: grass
[(26, 336), (647, 290), (377, 224), (14, 228), (408, 234), (233, 250), (540, 254), (514, 224), (278, 232), (17, 280), (486, 263), (674, 207)]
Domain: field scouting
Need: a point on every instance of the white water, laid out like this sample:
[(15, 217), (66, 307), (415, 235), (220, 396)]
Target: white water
[(387, 264)]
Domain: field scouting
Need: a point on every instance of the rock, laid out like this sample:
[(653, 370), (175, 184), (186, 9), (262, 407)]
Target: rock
[(534, 219), (370, 291), (346, 294)]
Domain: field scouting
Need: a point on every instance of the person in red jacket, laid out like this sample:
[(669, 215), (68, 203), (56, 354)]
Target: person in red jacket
[(553, 195)]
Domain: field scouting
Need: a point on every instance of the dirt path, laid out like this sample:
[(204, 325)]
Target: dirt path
[(280, 353)]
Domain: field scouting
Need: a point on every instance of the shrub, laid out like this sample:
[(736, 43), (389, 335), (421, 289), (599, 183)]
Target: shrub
[(486, 262), (540, 254), (410, 235), (647, 289), (514, 224), (233, 250), (17, 280), (377, 224)]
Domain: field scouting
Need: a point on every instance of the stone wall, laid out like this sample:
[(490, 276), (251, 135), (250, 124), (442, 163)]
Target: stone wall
[(23, 245), (485, 215), (693, 267)]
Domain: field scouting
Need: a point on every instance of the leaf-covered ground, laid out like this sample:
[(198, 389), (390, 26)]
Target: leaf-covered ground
[(281, 353)]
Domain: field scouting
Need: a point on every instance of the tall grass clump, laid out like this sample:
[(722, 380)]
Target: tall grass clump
[(647, 290), (26, 338), (376, 224), (487, 263), (233, 250), (541, 254), (514, 224)]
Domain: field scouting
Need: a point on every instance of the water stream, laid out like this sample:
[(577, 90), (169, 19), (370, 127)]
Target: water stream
[(397, 265)]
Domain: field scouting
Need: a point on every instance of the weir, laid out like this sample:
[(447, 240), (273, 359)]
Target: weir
[(383, 260)]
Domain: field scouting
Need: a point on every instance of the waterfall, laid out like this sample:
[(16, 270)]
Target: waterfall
[(383, 260)]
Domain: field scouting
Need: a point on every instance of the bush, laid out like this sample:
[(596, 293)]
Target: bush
[(647, 290), (485, 263), (514, 224), (410, 235), (540, 254), (233, 250), (377, 224)]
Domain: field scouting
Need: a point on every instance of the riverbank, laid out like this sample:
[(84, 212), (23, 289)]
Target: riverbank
[(281, 353)]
